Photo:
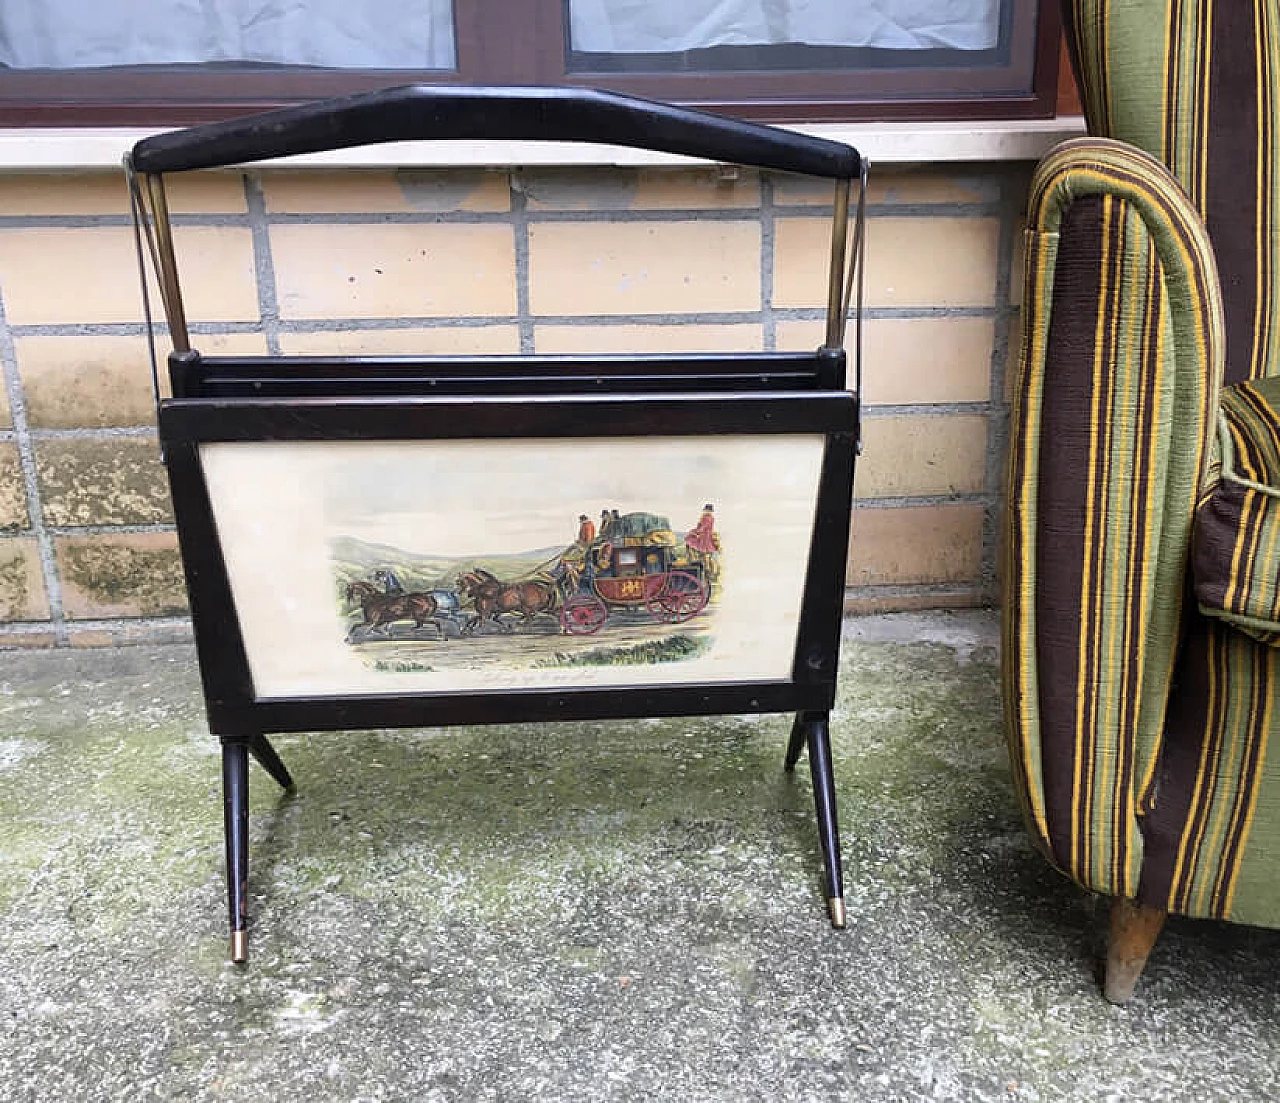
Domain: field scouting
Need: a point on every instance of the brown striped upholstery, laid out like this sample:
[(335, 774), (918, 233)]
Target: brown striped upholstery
[(1140, 728), (1195, 84), (1235, 549)]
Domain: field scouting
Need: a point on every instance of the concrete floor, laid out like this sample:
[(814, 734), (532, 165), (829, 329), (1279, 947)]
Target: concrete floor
[(626, 911)]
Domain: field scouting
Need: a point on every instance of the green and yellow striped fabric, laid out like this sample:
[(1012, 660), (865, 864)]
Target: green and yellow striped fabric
[(1140, 729), (1213, 835), (1122, 349), (1196, 84), (1236, 546)]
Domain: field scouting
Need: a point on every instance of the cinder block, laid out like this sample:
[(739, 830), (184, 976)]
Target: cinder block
[(96, 193), (493, 340), (130, 575), (912, 456), (394, 271), (888, 187), (106, 481), (91, 637), (22, 592), (212, 192), (1017, 265), (637, 189), (911, 262), (916, 545), (69, 276), (908, 361), (13, 495), (33, 641), (1013, 361), (106, 193), (644, 267), (891, 599), (129, 634), (370, 191), (104, 382), (651, 338)]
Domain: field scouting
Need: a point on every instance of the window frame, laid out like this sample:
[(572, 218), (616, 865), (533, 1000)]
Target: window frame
[(534, 50)]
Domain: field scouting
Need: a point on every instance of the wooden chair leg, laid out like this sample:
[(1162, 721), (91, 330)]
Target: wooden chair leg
[(1134, 929)]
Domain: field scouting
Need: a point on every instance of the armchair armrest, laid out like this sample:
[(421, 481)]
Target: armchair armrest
[(1114, 403)]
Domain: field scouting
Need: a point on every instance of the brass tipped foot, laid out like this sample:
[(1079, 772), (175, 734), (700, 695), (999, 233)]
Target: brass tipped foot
[(239, 947), (836, 907)]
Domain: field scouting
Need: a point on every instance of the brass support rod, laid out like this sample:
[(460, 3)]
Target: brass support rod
[(170, 290), (839, 243)]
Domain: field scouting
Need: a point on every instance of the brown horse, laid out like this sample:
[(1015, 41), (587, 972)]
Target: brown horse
[(382, 610), (492, 598)]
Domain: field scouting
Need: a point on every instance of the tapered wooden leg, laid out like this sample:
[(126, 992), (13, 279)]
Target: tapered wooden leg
[(795, 745), (235, 807), (1134, 929), (265, 755), (818, 739)]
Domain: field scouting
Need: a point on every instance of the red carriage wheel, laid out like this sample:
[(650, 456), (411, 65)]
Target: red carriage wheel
[(684, 596), (583, 615)]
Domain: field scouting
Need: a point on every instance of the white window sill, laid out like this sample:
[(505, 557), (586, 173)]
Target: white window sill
[(92, 149)]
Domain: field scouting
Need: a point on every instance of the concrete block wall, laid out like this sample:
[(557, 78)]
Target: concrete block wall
[(490, 261)]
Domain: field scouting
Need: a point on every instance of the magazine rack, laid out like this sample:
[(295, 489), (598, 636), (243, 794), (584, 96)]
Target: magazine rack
[(412, 541)]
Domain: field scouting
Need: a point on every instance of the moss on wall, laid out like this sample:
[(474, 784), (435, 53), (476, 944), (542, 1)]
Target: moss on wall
[(139, 581)]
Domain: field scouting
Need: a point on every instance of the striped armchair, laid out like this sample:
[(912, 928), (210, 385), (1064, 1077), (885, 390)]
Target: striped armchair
[(1142, 571)]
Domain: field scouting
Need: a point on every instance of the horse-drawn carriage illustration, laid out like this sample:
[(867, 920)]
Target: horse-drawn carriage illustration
[(635, 563), (380, 608)]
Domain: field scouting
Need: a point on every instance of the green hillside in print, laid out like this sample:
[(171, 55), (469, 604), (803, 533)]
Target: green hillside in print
[(354, 558)]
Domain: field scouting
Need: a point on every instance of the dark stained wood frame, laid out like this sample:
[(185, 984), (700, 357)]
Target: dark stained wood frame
[(235, 709), (532, 50)]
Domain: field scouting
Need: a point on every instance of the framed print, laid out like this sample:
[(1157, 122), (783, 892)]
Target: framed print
[(442, 566), (359, 554)]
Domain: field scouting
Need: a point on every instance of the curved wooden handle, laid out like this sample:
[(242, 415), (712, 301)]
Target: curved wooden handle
[(438, 112)]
